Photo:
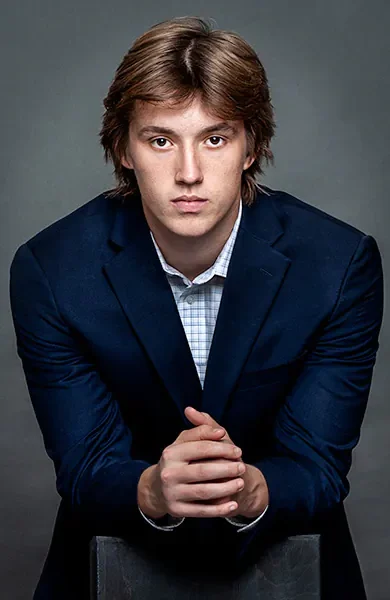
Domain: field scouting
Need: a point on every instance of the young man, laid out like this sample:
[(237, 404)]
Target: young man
[(187, 299)]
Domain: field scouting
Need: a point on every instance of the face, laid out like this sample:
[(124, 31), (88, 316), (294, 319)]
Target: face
[(187, 151)]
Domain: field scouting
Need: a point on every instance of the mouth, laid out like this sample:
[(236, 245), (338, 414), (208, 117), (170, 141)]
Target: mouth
[(189, 204)]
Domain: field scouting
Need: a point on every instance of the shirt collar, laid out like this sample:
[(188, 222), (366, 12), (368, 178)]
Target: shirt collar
[(221, 264)]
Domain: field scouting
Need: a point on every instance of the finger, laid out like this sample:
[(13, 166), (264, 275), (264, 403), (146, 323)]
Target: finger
[(203, 492), (198, 418), (222, 500), (202, 432), (203, 511), (199, 450), (221, 470)]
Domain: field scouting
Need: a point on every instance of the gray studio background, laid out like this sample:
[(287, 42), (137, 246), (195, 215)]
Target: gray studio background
[(327, 64)]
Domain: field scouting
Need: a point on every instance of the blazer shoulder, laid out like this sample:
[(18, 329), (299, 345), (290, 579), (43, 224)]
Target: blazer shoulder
[(313, 229), (302, 213), (78, 233)]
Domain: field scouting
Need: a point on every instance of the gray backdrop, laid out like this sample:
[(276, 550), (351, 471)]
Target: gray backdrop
[(327, 64)]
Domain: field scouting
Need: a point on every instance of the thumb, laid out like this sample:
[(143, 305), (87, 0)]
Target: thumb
[(199, 418), (202, 418)]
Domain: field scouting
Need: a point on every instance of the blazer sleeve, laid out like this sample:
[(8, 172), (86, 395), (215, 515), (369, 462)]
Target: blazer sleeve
[(82, 427), (319, 423)]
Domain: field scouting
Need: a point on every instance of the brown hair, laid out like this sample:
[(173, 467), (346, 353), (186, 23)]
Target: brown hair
[(172, 62)]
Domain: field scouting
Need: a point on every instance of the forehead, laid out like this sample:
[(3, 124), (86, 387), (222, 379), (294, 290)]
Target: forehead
[(185, 116)]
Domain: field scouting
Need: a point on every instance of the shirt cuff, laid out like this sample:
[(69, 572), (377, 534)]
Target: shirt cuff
[(166, 523), (242, 522)]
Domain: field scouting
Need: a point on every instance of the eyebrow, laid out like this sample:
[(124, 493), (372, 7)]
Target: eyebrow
[(221, 127)]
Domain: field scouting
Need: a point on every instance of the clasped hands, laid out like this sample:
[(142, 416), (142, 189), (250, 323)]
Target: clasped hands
[(200, 475)]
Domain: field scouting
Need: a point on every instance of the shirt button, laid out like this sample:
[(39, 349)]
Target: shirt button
[(190, 299)]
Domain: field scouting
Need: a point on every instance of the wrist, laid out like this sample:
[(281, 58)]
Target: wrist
[(148, 497), (255, 496)]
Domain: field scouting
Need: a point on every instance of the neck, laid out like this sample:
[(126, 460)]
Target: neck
[(192, 256)]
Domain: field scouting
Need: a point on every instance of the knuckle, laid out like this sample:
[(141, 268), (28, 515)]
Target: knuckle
[(166, 475), (182, 435), (222, 509), (166, 453), (230, 487), (201, 493), (202, 471), (217, 448), (204, 449), (204, 446)]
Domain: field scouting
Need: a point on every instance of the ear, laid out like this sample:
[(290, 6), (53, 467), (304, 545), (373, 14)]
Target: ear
[(127, 162), (248, 161)]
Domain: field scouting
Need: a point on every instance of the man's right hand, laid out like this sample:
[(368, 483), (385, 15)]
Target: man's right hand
[(182, 487)]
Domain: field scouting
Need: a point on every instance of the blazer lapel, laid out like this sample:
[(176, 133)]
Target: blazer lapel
[(255, 275), (142, 289)]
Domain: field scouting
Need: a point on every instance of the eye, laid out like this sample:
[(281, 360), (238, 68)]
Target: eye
[(159, 140), (216, 137)]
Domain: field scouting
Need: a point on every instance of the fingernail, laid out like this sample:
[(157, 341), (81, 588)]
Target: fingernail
[(217, 430)]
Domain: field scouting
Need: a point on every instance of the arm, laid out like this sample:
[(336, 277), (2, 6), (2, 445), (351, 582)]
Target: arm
[(319, 423), (82, 427), (305, 471), (81, 423)]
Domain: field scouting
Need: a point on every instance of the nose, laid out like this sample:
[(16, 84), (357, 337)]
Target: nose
[(188, 168)]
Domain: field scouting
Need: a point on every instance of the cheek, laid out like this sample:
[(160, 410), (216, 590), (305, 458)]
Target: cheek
[(147, 171), (145, 162), (229, 171), (226, 165)]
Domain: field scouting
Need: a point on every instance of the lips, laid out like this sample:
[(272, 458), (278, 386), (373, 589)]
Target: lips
[(189, 204), (190, 199)]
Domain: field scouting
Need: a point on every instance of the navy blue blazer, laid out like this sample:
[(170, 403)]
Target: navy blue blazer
[(109, 372)]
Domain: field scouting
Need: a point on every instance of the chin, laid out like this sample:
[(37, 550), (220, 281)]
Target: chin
[(190, 229), (191, 232)]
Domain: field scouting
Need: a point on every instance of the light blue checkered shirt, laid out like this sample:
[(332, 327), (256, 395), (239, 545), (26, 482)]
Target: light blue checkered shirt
[(198, 303)]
